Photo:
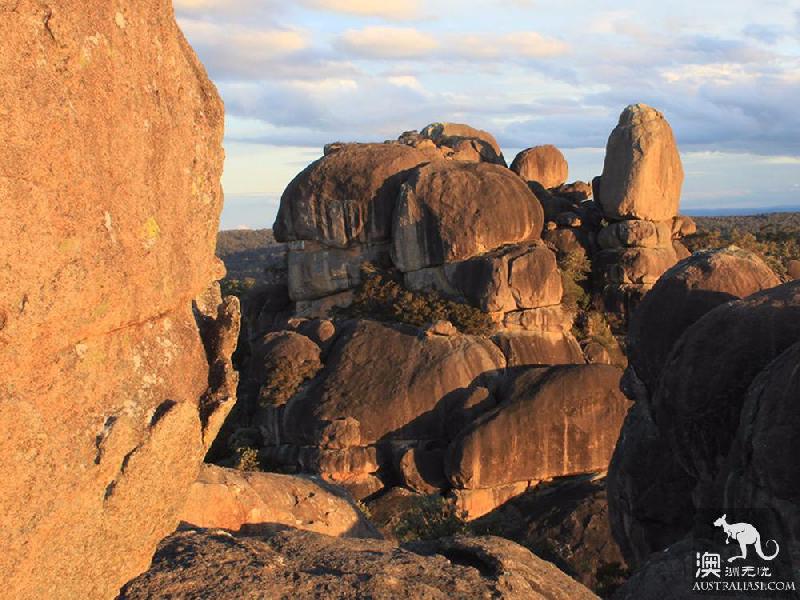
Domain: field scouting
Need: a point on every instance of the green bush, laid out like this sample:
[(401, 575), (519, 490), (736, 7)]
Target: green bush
[(575, 269), (383, 298), (284, 380), (237, 287), (248, 459), (430, 518)]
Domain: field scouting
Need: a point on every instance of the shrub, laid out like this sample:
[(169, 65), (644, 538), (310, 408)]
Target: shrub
[(248, 459), (575, 268), (284, 380), (237, 287), (382, 297), (430, 518)]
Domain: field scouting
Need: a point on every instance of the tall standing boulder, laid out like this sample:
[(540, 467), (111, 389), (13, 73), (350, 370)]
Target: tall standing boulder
[(110, 200), (544, 164), (642, 174)]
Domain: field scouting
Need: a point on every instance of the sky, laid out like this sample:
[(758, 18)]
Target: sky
[(297, 75)]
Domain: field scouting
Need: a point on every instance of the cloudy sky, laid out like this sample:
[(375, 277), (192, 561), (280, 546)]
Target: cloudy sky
[(296, 75)]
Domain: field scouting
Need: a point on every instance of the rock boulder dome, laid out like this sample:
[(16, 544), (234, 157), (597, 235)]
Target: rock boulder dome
[(110, 198), (642, 174), (544, 164)]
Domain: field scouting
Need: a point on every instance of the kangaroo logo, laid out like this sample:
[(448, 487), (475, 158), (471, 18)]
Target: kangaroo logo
[(745, 534)]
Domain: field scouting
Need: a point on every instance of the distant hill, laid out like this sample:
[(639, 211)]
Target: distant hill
[(246, 252), (774, 222)]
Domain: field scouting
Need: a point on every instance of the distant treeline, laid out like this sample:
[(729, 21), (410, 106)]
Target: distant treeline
[(774, 236)]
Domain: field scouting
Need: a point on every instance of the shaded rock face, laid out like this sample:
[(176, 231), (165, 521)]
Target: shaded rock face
[(544, 164), (550, 422), (684, 294), (565, 522), (706, 377), (348, 196), (649, 494), (642, 174), (110, 172), (450, 211), (761, 472), (248, 501), (305, 565)]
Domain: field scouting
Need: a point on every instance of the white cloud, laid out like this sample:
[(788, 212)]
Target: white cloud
[(387, 42), (386, 9)]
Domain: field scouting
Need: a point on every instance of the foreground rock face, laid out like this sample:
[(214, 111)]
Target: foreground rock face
[(642, 174), (246, 501), (566, 522), (304, 565), (109, 190)]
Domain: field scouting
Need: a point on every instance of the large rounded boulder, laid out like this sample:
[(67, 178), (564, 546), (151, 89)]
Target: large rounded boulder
[(705, 380), (348, 196), (642, 174), (394, 383), (450, 211), (685, 293), (544, 164), (551, 422)]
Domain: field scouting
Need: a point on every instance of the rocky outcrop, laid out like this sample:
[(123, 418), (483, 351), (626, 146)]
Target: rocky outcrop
[(706, 377), (642, 173), (247, 501), (215, 564), (450, 211), (549, 423), (110, 170), (544, 164), (517, 277)]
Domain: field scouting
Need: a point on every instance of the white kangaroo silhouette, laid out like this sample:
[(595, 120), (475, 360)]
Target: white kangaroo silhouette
[(745, 534)]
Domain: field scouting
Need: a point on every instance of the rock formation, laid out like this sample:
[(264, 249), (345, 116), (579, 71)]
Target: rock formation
[(215, 564), (241, 501), (715, 423), (642, 173), (110, 198), (543, 164), (565, 522), (649, 491), (639, 193)]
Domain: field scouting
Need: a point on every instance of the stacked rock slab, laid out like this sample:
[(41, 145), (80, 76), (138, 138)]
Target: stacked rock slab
[(456, 141), (110, 200), (639, 194)]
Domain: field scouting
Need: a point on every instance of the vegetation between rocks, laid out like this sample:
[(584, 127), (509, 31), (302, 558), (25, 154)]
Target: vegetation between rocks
[(380, 296)]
